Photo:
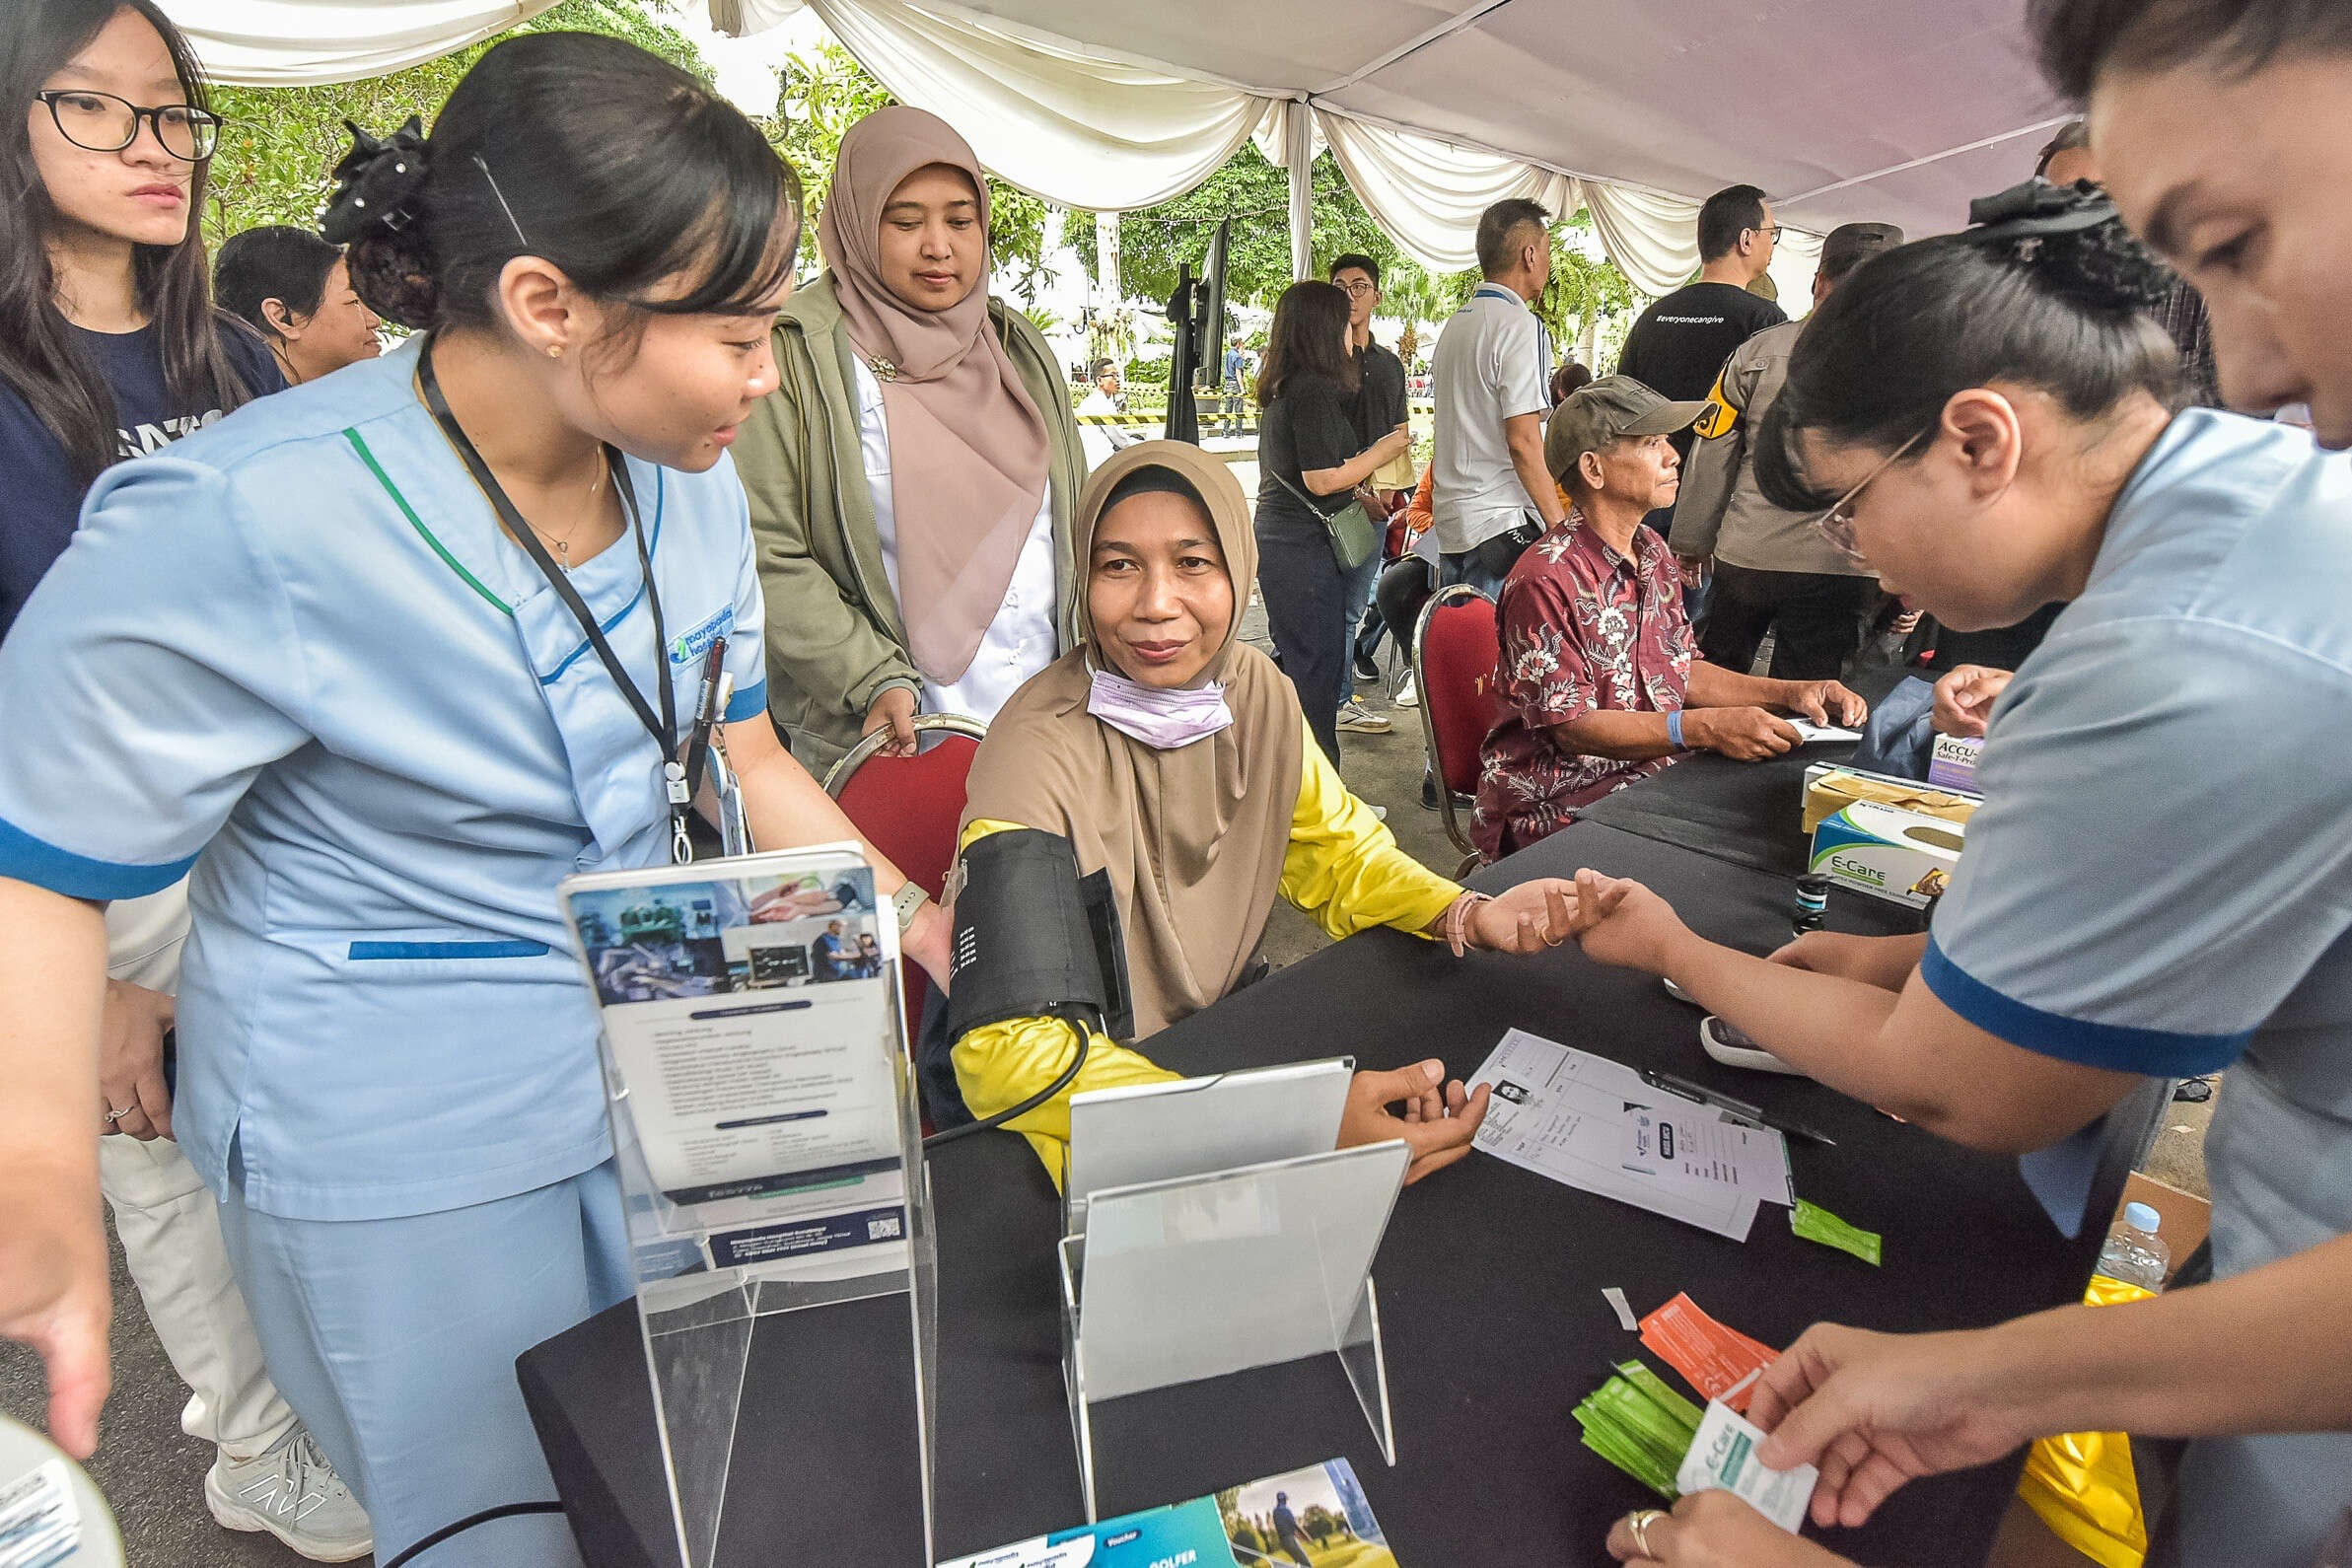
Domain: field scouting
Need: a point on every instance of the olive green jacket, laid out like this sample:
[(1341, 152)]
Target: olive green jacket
[(836, 636)]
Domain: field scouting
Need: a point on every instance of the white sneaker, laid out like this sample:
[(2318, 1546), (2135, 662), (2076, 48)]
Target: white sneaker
[(1356, 719), (1380, 813), (293, 1493), (1408, 696)]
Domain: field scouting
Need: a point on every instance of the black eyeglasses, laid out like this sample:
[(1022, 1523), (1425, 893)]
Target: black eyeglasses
[(1770, 233), (100, 122)]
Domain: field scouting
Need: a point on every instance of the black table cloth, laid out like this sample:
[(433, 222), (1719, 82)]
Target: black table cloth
[(1750, 814), (1489, 1285)]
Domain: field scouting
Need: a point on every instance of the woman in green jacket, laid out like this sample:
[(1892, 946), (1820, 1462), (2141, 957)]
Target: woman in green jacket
[(912, 476)]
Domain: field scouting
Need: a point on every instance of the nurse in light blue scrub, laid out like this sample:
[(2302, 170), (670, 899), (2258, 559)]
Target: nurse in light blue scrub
[(2155, 887), (382, 660)]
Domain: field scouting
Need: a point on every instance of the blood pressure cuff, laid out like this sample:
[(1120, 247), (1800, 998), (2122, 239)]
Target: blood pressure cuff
[(1034, 939)]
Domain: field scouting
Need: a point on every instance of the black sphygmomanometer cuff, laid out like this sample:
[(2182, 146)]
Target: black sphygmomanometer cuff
[(1034, 939)]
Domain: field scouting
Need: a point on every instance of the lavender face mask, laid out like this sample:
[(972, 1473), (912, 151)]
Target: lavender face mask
[(1160, 719)]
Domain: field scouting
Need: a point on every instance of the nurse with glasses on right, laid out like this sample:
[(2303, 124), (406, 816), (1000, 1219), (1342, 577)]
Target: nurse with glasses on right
[(1987, 419)]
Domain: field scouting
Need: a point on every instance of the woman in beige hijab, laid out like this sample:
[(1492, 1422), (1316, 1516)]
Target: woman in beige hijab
[(1175, 758), (912, 476)]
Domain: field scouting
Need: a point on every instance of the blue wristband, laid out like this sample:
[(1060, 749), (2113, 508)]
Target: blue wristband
[(1673, 730)]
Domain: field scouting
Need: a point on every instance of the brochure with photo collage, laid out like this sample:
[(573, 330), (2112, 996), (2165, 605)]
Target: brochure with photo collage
[(747, 1010), (1314, 1517)]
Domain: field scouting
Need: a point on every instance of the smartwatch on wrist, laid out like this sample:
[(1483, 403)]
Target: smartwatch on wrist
[(907, 901)]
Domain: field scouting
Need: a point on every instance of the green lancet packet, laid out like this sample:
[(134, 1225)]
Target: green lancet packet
[(1640, 1425), (1816, 1224)]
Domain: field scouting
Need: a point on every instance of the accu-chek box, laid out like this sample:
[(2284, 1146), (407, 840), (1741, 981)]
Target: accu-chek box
[(1906, 857), (1953, 763)]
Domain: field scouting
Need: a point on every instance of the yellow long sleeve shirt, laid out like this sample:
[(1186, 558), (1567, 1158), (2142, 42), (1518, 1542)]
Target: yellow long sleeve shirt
[(1342, 867)]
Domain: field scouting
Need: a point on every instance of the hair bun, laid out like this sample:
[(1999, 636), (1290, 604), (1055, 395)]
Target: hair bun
[(376, 210), (2072, 238), (377, 184)]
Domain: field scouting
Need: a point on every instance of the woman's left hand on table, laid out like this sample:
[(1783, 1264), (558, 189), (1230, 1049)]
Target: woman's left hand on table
[(1620, 923), (1438, 1122)]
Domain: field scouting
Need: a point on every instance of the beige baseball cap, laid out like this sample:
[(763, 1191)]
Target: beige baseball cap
[(1609, 410)]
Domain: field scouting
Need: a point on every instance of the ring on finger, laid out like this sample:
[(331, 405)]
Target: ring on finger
[(1638, 1526), (114, 1115)]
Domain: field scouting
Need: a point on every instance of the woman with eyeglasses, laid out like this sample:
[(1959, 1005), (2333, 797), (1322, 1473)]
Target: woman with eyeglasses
[(109, 345), (1987, 420), (110, 349), (375, 663)]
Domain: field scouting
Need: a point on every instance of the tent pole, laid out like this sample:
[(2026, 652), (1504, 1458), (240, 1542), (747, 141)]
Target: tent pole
[(1106, 260), (1299, 141)]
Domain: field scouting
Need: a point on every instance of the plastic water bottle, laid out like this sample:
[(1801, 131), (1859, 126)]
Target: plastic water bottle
[(2135, 1254)]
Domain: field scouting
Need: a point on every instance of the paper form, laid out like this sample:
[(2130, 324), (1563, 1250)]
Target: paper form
[(1594, 1124)]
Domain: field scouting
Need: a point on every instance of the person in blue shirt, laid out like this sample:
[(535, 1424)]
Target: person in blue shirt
[(382, 660), (1286, 1530), (826, 953), (1987, 421), (109, 347)]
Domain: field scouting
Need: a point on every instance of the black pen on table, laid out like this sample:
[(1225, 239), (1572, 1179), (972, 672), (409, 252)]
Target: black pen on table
[(1737, 1108), (706, 713)]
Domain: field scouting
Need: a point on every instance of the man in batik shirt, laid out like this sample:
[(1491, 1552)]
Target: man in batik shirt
[(1599, 674)]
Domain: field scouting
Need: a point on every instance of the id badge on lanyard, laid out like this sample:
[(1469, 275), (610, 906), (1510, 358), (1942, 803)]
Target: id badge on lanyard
[(661, 726)]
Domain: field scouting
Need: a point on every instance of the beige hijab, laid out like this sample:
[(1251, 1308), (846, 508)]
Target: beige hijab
[(969, 453), (1193, 838)]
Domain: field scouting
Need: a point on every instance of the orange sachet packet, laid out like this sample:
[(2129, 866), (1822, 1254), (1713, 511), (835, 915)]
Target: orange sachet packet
[(1713, 1357)]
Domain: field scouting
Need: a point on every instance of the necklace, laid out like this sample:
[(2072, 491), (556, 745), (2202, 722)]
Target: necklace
[(563, 542)]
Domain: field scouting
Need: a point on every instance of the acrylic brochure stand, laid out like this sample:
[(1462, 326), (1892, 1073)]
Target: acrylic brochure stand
[(769, 1144), (1202, 1276)]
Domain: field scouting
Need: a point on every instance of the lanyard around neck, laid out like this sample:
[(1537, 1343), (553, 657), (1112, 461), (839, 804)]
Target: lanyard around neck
[(663, 727)]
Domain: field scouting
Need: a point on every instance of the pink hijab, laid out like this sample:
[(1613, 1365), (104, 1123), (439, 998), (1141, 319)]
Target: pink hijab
[(969, 453)]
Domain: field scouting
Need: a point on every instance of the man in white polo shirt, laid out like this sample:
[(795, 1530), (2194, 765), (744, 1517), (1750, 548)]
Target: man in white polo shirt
[(1492, 376)]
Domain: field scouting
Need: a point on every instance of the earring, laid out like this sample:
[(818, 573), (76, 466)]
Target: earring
[(556, 351)]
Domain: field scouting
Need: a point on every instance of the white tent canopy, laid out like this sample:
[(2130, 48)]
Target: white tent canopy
[(304, 42), (1889, 110)]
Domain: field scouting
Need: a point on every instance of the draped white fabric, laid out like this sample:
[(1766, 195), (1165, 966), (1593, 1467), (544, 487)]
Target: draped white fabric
[(1067, 125), (1891, 109), (303, 43), (1427, 194)]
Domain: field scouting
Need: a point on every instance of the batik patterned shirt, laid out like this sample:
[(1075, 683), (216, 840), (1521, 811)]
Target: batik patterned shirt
[(1583, 630)]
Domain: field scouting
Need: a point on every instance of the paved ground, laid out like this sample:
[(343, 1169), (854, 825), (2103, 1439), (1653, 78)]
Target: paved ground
[(154, 1475)]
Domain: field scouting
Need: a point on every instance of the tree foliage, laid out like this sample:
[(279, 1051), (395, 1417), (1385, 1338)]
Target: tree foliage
[(273, 163), (1255, 195), (282, 140), (1583, 286)]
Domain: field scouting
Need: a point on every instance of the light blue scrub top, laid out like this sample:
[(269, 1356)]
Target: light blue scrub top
[(297, 652), (2161, 879)]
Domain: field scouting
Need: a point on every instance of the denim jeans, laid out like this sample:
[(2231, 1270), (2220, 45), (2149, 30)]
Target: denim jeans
[(1487, 563)]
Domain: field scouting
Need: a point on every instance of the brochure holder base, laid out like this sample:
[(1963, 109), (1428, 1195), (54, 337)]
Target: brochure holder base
[(1184, 1306), (698, 1331), (713, 1021)]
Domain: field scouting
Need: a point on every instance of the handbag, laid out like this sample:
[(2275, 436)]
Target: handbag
[(1353, 534)]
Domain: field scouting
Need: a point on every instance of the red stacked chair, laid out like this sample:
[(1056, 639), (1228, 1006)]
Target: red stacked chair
[(1457, 645), (908, 807)]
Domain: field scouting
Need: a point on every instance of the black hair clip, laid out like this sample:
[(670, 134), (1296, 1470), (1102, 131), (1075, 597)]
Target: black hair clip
[(2036, 209), (2072, 238), (376, 184)]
